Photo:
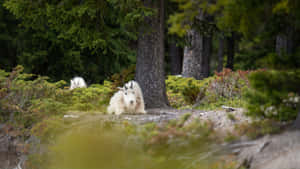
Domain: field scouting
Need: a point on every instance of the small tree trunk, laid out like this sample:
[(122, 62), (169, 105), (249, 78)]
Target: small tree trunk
[(230, 51), (220, 54), (150, 58), (297, 121), (281, 44), (196, 57), (284, 43), (175, 59)]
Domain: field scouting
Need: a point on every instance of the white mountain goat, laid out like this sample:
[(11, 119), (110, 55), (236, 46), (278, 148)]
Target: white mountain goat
[(129, 99), (77, 82)]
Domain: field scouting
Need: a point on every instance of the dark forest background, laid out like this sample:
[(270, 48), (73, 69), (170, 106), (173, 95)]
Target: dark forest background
[(95, 39)]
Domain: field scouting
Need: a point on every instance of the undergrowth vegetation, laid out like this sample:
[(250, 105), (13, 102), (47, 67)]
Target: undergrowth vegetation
[(26, 98), (37, 107), (224, 88), (274, 94)]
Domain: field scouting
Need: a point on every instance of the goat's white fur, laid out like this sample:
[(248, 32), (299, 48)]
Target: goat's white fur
[(129, 99), (77, 82)]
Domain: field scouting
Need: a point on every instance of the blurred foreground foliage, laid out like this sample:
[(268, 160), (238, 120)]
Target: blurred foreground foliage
[(99, 144)]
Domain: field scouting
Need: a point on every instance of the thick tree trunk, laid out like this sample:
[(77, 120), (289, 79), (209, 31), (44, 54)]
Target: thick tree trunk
[(220, 54), (176, 57), (230, 51), (196, 57), (150, 58)]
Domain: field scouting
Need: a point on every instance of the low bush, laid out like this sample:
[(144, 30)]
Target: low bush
[(185, 91), (224, 88), (23, 95), (228, 84), (26, 99), (94, 98), (274, 94)]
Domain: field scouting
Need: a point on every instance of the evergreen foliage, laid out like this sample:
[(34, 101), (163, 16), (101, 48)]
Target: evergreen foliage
[(86, 38)]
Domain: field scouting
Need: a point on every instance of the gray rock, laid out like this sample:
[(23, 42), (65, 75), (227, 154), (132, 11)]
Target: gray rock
[(4, 143), (280, 151)]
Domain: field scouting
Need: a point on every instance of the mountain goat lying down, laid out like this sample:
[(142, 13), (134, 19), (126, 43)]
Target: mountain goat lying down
[(77, 82), (129, 99)]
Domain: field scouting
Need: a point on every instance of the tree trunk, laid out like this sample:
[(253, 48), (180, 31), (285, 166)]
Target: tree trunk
[(297, 121), (220, 54), (284, 43), (175, 59), (230, 51), (196, 57), (150, 58)]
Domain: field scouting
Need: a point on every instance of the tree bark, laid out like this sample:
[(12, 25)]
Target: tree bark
[(220, 54), (230, 51), (196, 57), (176, 57), (150, 58), (297, 121), (296, 124), (284, 43)]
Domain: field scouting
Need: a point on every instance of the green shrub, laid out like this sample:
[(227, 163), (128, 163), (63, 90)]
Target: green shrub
[(274, 94), (95, 97), (22, 96), (185, 91), (284, 61), (27, 98), (224, 88)]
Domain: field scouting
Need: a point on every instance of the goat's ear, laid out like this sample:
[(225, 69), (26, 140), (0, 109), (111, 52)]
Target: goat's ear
[(125, 87), (121, 88), (131, 85)]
